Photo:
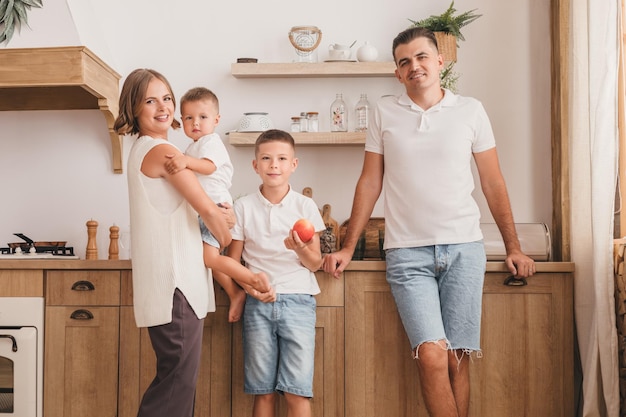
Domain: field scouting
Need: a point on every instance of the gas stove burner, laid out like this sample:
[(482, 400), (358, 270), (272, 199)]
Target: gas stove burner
[(54, 250)]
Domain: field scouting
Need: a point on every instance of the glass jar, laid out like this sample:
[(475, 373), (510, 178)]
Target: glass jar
[(304, 126), (313, 121), (295, 124)]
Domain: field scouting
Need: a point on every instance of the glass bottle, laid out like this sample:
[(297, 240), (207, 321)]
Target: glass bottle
[(338, 115), (361, 111), (313, 121)]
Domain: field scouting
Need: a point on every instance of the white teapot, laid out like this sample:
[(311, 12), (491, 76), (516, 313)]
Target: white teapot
[(367, 53), (338, 52)]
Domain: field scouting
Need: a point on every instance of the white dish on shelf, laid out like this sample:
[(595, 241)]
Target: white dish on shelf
[(255, 122), (340, 60)]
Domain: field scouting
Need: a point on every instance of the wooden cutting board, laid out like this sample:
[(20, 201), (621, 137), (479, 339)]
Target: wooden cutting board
[(373, 233), (325, 212), (331, 223)]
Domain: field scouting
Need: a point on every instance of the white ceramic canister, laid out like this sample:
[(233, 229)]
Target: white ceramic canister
[(367, 53)]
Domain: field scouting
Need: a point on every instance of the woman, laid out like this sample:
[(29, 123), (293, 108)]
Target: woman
[(172, 291)]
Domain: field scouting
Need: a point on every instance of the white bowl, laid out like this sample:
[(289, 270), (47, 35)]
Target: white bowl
[(255, 122)]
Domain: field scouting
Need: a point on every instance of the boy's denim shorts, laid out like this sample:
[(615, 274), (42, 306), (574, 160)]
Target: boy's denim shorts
[(279, 345), (207, 236), (438, 291)]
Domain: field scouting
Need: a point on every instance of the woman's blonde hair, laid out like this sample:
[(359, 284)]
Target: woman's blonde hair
[(132, 100)]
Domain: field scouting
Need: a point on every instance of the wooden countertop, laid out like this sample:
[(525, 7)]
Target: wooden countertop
[(104, 264), (101, 264), (491, 266)]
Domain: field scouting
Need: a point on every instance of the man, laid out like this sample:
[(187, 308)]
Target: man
[(419, 146)]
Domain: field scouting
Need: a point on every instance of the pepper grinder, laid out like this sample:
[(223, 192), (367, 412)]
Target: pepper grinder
[(114, 251), (92, 248)]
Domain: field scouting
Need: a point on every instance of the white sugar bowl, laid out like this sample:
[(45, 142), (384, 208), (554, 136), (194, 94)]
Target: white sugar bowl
[(367, 53), (255, 122)]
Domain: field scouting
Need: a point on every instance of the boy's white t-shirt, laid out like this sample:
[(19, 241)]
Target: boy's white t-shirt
[(263, 227), (216, 185)]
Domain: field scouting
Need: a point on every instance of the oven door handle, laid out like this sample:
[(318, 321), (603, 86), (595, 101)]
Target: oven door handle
[(8, 336)]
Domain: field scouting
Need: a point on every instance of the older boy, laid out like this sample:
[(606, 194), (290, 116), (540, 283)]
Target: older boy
[(278, 335)]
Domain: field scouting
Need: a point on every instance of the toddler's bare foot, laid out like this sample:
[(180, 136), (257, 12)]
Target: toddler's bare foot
[(237, 303), (261, 282)]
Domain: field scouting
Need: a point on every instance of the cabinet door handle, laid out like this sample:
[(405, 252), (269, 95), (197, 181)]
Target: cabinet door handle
[(83, 286), (8, 336), (82, 315), (511, 281)]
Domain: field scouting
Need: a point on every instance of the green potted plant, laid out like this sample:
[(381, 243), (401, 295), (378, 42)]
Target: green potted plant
[(449, 77), (447, 27), (13, 14)]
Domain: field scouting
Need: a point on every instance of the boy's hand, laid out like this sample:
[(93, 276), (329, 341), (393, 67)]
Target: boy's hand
[(175, 163), (229, 214), (265, 297), (309, 252), (293, 241)]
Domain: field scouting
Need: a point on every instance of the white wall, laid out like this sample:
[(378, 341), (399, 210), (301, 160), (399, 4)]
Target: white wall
[(56, 165)]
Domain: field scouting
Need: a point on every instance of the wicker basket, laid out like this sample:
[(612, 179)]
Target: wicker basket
[(447, 46)]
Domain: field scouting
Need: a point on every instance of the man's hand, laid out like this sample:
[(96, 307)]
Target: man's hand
[(520, 265), (334, 263)]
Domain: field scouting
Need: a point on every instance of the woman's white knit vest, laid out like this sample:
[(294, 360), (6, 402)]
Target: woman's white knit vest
[(166, 245)]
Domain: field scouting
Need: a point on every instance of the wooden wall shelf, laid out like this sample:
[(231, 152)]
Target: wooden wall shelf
[(309, 70), (61, 78), (308, 138)]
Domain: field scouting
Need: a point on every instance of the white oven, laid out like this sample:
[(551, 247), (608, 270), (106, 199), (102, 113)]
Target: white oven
[(21, 356)]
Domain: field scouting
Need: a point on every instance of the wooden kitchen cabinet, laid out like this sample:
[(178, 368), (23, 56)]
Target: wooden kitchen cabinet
[(81, 343), (101, 366), (526, 337), (61, 78), (21, 283), (528, 346), (137, 361)]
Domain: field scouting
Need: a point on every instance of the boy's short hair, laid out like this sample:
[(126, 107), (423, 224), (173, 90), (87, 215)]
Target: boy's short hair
[(199, 94), (274, 135)]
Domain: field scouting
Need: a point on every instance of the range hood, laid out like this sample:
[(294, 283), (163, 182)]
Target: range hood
[(61, 78)]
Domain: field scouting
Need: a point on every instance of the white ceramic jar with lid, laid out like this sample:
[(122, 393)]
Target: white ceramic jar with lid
[(367, 53)]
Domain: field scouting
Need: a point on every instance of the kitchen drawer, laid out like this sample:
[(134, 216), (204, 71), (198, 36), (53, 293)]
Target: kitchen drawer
[(73, 288)]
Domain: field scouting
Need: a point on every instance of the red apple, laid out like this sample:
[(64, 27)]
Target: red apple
[(304, 229)]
